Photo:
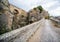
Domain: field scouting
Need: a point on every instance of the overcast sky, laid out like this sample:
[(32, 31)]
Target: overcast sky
[(52, 6)]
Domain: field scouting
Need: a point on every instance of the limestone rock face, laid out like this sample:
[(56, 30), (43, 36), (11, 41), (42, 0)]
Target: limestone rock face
[(5, 16), (12, 17), (45, 14), (4, 5), (19, 18), (35, 15)]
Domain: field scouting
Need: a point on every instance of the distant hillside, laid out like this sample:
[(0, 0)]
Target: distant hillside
[(58, 17)]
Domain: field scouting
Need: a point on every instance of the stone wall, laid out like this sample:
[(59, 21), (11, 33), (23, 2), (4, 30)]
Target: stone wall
[(21, 34)]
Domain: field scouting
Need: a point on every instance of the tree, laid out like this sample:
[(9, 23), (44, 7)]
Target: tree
[(40, 8)]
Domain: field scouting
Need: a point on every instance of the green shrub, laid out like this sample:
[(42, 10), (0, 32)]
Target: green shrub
[(46, 17), (34, 8), (3, 29), (40, 8)]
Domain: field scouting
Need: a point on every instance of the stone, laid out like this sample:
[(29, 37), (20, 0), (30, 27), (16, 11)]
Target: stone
[(20, 17), (5, 16)]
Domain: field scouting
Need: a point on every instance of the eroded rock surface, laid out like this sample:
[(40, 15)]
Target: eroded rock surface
[(5, 16)]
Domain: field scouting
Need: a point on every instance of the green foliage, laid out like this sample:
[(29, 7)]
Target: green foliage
[(3, 29), (40, 8), (46, 17), (34, 8)]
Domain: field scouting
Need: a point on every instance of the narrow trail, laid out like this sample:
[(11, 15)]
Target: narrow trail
[(46, 33)]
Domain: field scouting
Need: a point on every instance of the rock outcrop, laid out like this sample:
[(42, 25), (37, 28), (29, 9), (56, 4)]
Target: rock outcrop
[(19, 18), (36, 14), (5, 16), (11, 17)]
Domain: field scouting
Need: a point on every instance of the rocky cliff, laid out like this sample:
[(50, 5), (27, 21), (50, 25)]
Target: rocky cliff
[(12, 17), (36, 14), (5, 16), (19, 18)]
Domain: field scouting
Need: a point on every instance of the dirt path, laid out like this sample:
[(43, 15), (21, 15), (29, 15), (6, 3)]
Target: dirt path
[(36, 36), (46, 33)]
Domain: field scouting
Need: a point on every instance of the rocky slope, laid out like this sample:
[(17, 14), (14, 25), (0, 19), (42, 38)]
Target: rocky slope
[(12, 17), (36, 14), (19, 18)]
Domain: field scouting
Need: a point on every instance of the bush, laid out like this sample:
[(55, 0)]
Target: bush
[(46, 17), (40, 8), (3, 29), (34, 8)]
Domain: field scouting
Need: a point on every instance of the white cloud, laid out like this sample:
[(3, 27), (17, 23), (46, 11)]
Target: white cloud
[(29, 4), (49, 4), (55, 12)]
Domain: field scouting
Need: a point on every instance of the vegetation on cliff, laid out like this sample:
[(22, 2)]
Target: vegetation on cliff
[(40, 8)]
